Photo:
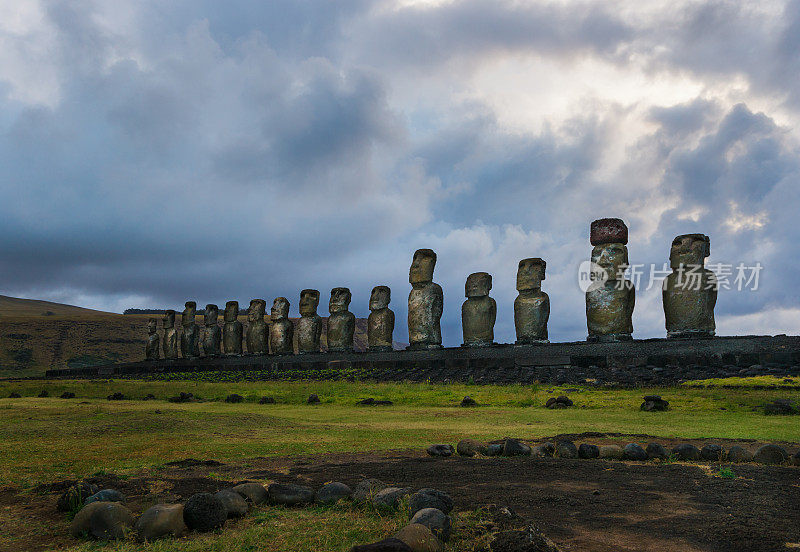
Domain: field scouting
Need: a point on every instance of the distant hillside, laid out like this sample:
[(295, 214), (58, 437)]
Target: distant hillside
[(14, 306)]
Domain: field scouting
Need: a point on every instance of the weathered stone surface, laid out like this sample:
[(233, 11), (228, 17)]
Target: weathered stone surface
[(479, 311), (281, 329), (689, 293), (566, 449), (386, 545), (544, 450), (161, 520), (495, 449), (739, 454), (102, 520), (117, 396), (234, 398), (771, 454), (471, 447), (254, 493), (514, 447), (332, 492), (67, 395), (290, 495), (366, 489), (341, 322), (611, 451), (430, 498), (654, 403), (609, 299), (390, 496), (313, 399), (419, 538), (440, 450), (527, 539), (633, 451), (435, 520), (425, 303), (232, 331), (558, 402), (380, 323), (532, 305), (468, 401), (75, 497), (234, 503), (656, 450), (204, 512), (711, 452), (106, 495), (686, 451), (587, 450), (309, 327)]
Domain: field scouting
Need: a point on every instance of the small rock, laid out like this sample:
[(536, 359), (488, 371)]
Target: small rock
[(234, 398), (44, 394), (373, 402), (514, 447), (182, 398), (495, 449), (771, 454), (390, 496), (435, 520), (204, 512), (566, 449), (386, 545), (711, 452), (289, 494), (656, 450), (234, 503), (102, 520), (686, 451), (67, 395), (14, 395), (367, 488), (333, 492), (470, 447), (313, 399), (430, 498), (654, 403), (441, 450), (117, 397), (254, 493), (75, 497), (544, 450), (588, 451), (468, 401), (527, 539), (106, 495), (558, 402), (739, 454), (266, 400), (419, 538), (149, 397), (611, 451), (633, 451), (161, 520)]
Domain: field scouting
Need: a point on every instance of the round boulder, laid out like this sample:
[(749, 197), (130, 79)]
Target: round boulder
[(234, 503), (390, 497), (419, 538), (686, 451), (430, 498), (656, 450), (468, 401), (367, 488), (514, 447), (204, 512), (234, 398), (333, 492), (566, 449), (588, 451), (75, 497), (106, 495), (266, 400), (471, 447), (290, 495), (544, 450), (739, 454), (161, 520), (633, 451), (711, 452), (440, 450), (313, 399), (494, 449), (102, 520), (435, 520), (771, 454), (254, 493), (611, 451)]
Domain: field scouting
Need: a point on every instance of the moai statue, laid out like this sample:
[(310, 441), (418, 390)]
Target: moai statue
[(425, 303), (281, 330), (380, 324), (170, 343), (212, 336), (190, 338), (153, 341), (341, 322), (309, 327), (257, 343), (690, 292), (479, 311), (532, 305), (232, 330), (610, 298)]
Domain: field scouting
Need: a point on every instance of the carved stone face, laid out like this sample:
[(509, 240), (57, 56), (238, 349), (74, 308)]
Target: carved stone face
[(689, 249), (478, 284), (340, 300), (169, 319), (187, 317), (612, 258), (422, 267), (280, 309), (257, 309), (309, 301), (211, 315), (152, 325), (530, 274), (231, 311), (380, 298)]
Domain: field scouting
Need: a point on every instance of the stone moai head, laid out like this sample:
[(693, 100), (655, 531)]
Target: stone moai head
[(211, 315), (609, 237), (309, 301), (530, 273), (189, 312), (280, 309), (257, 309), (689, 250), (169, 319), (152, 325), (231, 311), (340, 300), (478, 284), (422, 266), (380, 298)]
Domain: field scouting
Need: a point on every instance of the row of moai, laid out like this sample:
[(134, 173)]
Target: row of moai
[(688, 309)]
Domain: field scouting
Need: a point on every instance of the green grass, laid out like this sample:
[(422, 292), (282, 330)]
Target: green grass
[(754, 381)]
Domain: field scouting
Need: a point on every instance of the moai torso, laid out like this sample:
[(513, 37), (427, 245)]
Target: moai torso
[(690, 293), (309, 327), (281, 330), (212, 335), (479, 311), (232, 330), (425, 303), (380, 323), (170, 338), (190, 338), (257, 328), (153, 340), (341, 322), (532, 305)]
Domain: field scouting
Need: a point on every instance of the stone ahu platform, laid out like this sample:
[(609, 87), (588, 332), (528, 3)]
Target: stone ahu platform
[(633, 363)]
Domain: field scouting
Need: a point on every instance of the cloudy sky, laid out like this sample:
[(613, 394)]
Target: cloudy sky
[(154, 152)]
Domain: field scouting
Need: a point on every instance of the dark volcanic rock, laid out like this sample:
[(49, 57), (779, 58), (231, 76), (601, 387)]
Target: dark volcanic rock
[(566, 449), (290, 495), (779, 407), (514, 447), (367, 488), (44, 394), (430, 498), (182, 398), (654, 403), (711, 452), (771, 454), (234, 503), (440, 450), (14, 395), (254, 493), (234, 398), (204, 512), (106, 495), (117, 396), (390, 496), (587, 450), (313, 399), (102, 520), (266, 400), (656, 450), (161, 520), (471, 447), (332, 492), (468, 401), (739, 454), (558, 402), (633, 451), (686, 451), (67, 395), (435, 520), (544, 450), (386, 545)]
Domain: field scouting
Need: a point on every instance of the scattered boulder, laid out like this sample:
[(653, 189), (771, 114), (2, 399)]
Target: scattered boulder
[(254, 493), (495, 449), (204, 512), (588, 451), (234, 398), (686, 451), (633, 451), (390, 497), (771, 454), (117, 396), (67, 395), (430, 498), (106, 495), (386, 545), (566, 449), (161, 520), (468, 401), (739, 454), (266, 400), (367, 488), (544, 449), (182, 398), (654, 403), (711, 452), (441, 450), (290, 495), (373, 402), (312, 399), (149, 397), (234, 503), (558, 402), (333, 492), (656, 450), (75, 497), (514, 447), (44, 394), (102, 520), (528, 539), (435, 520), (780, 407), (419, 538), (471, 447), (611, 451), (14, 395)]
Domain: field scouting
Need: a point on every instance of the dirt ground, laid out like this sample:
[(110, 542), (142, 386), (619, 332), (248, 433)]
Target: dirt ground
[(582, 505)]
